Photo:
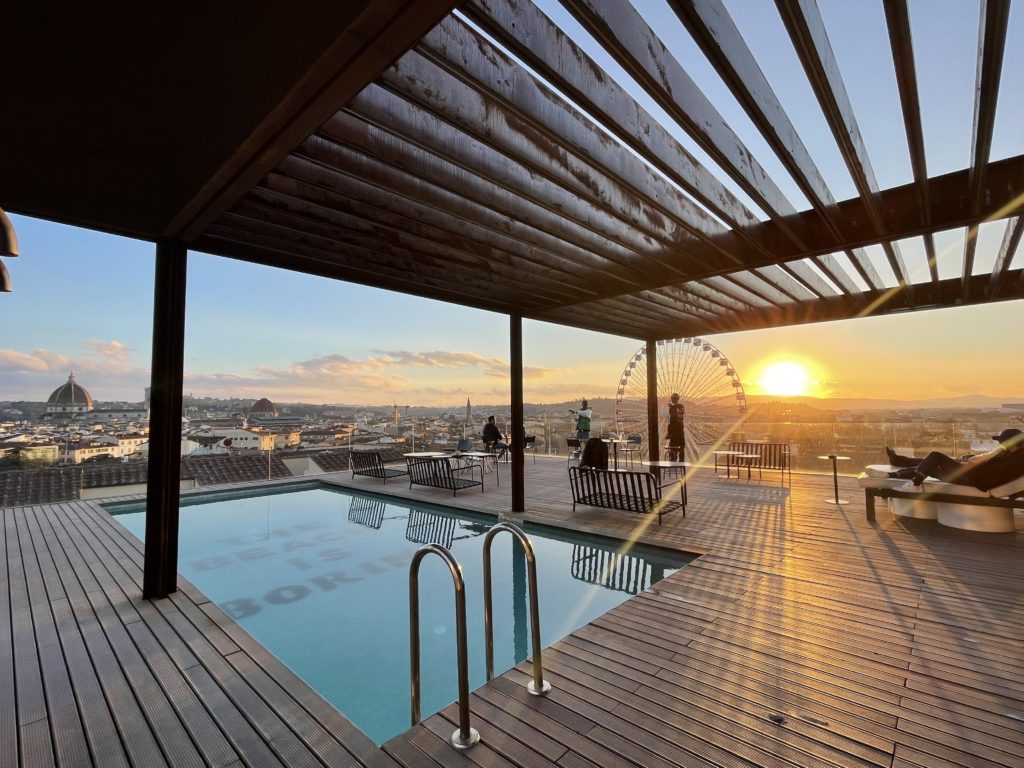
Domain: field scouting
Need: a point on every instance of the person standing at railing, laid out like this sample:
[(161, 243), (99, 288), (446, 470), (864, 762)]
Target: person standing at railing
[(583, 416), (676, 432)]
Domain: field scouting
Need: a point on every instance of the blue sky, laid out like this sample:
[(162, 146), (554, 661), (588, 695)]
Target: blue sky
[(83, 300)]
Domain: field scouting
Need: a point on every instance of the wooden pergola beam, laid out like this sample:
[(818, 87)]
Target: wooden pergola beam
[(991, 44), (807, 31), (713, 29), (897, 17), (380, 35)]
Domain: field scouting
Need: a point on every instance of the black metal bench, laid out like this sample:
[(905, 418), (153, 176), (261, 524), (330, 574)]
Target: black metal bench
[(772, 456), (439, 473), (628, 491), (370, 463)]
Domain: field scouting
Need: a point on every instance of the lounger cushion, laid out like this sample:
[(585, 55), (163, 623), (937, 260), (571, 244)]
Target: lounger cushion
[(1009, 489), (937, 486), (880, 470)]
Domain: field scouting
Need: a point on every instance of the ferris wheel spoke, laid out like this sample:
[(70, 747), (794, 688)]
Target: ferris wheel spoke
[(703, 377)]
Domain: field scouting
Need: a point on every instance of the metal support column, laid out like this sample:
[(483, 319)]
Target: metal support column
[(653, 438), (516, 438), (160, 567)]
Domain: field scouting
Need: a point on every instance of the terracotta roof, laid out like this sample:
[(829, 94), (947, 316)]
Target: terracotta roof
[(214, 470)]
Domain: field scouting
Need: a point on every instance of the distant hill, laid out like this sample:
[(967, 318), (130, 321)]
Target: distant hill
[(868, 404)]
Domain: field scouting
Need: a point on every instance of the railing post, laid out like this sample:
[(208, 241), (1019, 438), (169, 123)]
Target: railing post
[(538, 686), (466, 736)]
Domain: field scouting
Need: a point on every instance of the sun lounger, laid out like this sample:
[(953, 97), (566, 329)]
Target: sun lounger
[(958, 506)]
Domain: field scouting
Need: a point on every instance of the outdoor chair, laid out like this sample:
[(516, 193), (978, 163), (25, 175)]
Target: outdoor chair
[(500, 454), (574, 450), (530, 444), (631, 449)]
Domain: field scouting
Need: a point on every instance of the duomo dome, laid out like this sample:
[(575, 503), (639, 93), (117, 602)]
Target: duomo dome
[(69, 398)]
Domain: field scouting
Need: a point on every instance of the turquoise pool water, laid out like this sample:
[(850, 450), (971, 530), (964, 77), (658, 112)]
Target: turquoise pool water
[(320, 577)]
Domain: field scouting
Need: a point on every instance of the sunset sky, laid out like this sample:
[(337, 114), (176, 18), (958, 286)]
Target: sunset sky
[(82, 300)]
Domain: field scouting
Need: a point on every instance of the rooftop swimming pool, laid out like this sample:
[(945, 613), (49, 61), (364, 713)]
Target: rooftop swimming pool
[(320, 577)]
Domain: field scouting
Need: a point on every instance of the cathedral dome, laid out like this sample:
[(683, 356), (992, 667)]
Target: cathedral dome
[(263, 407), (71, 394)]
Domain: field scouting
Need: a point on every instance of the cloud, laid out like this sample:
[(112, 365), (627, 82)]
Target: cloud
[(322, 366), (538, 371), (440, 359), (113, 350), (37, 361), (106, 370)]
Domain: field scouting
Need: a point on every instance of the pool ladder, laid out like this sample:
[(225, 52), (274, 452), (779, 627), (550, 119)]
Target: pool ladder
[(466, 736)]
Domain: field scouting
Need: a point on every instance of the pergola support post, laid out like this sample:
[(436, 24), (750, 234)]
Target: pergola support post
[(516, 438), (653, 439), (160, 566)]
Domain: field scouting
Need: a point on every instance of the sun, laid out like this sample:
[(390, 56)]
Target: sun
[(785, 378)]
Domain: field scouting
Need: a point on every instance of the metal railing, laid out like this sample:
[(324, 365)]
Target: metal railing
[(538, 686), (465, 736)]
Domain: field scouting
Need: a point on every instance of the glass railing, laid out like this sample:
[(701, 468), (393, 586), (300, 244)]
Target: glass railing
[(863, 442)]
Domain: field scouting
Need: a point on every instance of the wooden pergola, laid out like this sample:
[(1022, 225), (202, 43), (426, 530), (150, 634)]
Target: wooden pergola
[(404, 146)]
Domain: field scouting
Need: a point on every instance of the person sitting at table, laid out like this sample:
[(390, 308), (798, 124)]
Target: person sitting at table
[(493, 438), (595, 454)]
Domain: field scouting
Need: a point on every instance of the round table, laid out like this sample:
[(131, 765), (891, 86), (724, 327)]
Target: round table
[(615, 443), (481, 456), (835, 476), (425, 455)]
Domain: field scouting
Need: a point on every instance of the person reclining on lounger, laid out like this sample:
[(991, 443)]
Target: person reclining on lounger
[(984, 472)]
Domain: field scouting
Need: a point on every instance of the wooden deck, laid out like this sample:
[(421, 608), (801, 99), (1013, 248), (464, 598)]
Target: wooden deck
[(804, 636)]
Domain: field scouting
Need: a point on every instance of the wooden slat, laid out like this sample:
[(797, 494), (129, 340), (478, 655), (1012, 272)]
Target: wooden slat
[(807, 30)]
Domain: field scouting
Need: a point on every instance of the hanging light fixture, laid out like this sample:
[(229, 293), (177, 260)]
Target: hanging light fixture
[(8, 247), (8, 239)]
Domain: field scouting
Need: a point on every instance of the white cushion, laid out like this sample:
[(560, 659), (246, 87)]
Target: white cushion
[(1010, 488), (866, 481), (880, 470), (937, 486)]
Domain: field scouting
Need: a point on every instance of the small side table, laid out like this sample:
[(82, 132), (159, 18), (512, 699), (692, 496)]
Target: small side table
[(748, 459), (835, 477), (727, 456)]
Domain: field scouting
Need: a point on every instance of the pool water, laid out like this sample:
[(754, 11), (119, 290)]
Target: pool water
[(321, 578)]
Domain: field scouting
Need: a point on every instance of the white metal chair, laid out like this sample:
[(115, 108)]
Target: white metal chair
[(574, 451)]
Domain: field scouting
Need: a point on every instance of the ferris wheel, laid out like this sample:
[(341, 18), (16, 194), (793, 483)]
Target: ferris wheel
[(708, 387)]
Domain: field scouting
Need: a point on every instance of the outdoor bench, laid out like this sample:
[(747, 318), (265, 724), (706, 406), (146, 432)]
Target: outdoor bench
[(773, 456), (625, 490), (438, 472), (369, 463)]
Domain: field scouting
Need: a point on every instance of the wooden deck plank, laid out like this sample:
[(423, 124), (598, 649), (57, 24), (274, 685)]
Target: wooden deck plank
[(104, 741), (889, 643), (8, 688)]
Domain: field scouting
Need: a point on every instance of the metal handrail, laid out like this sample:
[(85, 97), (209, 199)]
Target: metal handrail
[(465, 736), (538, 686)]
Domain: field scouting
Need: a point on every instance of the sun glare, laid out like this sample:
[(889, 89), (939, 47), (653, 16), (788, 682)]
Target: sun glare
[(785, 378)]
